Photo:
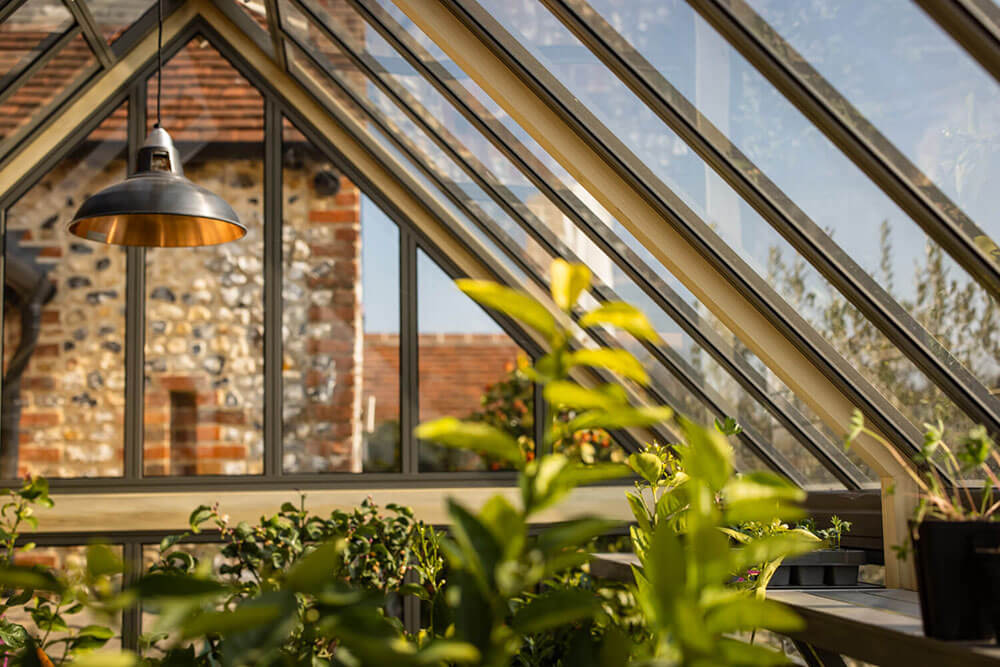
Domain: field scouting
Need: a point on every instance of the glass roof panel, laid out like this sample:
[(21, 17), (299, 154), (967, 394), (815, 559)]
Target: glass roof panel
[(451, 122), (256, 10), (113, 17), (624, 286), (60, 75), (913, 82), (741, 227), (29, 32)]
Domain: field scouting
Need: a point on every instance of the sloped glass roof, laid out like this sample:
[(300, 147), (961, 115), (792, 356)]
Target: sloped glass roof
[(835, 171)]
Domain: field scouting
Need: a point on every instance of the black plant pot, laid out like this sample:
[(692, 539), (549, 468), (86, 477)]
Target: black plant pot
[(781, 577), (808, 575), (955, 595)]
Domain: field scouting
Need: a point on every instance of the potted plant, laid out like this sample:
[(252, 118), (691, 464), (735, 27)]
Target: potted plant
[(954, 532), (831, 566)]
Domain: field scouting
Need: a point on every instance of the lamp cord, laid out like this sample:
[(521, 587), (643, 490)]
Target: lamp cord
[(159, 58)]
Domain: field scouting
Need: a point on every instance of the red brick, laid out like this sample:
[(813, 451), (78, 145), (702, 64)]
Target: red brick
[(334, 215), (39, 418), (349, 198), (39, 454), (207, 432)]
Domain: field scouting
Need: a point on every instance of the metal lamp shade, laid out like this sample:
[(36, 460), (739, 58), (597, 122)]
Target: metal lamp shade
[(157, 206)]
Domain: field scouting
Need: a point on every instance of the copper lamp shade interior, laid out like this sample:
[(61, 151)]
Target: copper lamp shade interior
[(157, 206)]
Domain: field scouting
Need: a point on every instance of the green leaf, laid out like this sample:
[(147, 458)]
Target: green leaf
[(555, 609), (574, 533), (746, 613), (12, 634), (513, 303), (102, 561), (96, 631), (106, 659), (568, 280), (572, 395), (708, 456), (623, 316), (735, 652), (506, 524), (162, 585), (646, 465), (772, 547), (416, 590), (615, 360), (170, 540), (761, 486), (579, 474), (316, 569), (639, 511), (475, 436), (16, 576), (479, 546), (620, 417), (447, 651), (200, 515), (241, 619)]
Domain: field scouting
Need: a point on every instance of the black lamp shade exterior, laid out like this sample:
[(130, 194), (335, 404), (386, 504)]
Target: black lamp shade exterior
[(157, 206)]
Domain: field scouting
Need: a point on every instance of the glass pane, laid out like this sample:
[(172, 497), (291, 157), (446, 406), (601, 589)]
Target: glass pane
[(114, 17), (28, 32), (913, 82), (204, 306), (340, 320), (70, 561), (464, 357), (64, 323), (743, 229), (256, 10), (472, 143), (829, 188), (53, 79)]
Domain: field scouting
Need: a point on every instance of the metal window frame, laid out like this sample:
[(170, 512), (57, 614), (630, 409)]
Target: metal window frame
[(9, 8), (656, 216), (828, 452), (856, 137), (489, 227), (753, 185), (35, 59), (974, 24), (466, 243), (671, 213), (510, 204), (85, 19), (133, 89)]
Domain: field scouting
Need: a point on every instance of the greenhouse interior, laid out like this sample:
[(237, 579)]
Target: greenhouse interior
[(438, 332)]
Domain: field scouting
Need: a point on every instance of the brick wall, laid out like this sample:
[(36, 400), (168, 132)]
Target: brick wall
[(455, 370)]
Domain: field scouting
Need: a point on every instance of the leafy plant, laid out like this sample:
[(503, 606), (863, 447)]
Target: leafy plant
[(53, 601), (302, 589), (976, 453), (688, 582), (831, 535)]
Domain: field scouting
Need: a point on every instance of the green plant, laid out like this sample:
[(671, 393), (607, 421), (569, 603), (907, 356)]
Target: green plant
[(975, 454), (301, 589), (831, 535), (689, 563), (61, 606), (507, 405), (687, 497)]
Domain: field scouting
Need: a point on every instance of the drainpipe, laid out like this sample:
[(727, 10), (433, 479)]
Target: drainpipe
[(32, 290)]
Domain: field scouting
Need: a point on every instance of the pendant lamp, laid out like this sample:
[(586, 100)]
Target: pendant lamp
[(157, 206)]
